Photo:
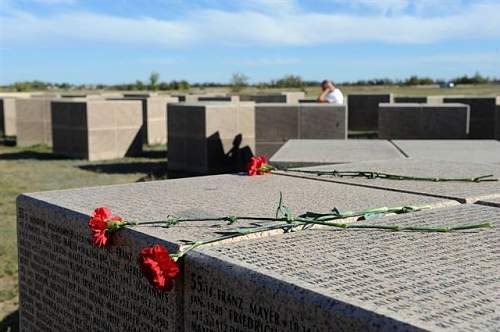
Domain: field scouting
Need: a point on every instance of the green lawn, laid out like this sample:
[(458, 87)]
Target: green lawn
[(35, 169)]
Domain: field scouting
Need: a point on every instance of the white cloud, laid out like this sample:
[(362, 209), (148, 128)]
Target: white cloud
[(206, 28)]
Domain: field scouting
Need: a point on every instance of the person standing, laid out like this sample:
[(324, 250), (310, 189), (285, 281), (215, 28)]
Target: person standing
[(330, 94)]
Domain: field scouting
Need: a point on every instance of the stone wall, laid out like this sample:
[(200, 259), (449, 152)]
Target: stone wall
[(363, 110), (482, 115)]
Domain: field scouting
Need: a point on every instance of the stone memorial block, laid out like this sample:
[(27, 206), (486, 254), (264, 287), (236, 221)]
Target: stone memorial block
[(210, 137), (66, 284), (477, 151), (281, 97), (423, 121), (347, 280), (497, 122), (465, 192), (322, 121), (274, 125), (363, 110), (7, 116), (410, 99), (233, 99), (301, 153), (97, 129), (154, 117), (482, 115), (140, 95), (33, 121)]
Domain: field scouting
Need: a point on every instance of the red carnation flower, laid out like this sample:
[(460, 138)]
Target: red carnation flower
[(102, 224), (158, 267), (258, 166)]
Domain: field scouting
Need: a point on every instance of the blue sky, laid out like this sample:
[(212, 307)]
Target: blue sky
[(115, 41)]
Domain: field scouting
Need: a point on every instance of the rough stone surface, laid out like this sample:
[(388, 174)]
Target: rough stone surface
[(363, 110), (423, 121), (300, 153), (63, 279), (461, 191), (7, 116), (154, 116), (336, 280), (283, 97), (97, 129), (33, 121), (210, 137), (482, 115), (477, 151)]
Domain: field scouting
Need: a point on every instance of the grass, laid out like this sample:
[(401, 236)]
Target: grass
[(36, 169)]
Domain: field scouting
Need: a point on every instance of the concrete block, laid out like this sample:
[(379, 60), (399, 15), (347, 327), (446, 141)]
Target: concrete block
[(477, 151), (276, 123), (363, 110), (331, 280), (65, 284), (7, 116), (154, 115), (322, 121), (465, 192), (423, 121), (301, 153), (233, 99), (97, 129), (210, 138), (33, 122), (482, 115)]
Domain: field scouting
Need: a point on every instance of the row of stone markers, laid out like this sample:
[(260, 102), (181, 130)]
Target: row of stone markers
[(416, 117), (312, 279)]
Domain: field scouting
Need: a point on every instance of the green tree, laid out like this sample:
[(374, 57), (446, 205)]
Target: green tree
[(290, 81), (154, 78), (238, 82)]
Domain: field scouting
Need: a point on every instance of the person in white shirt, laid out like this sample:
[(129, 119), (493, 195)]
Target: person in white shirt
[(330, 94)]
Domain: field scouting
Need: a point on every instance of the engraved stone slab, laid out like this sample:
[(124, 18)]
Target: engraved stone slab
[(363, 110), (482, 114), (423, 121), (478, 151), (63, 279), (97, 129), (154, 116), (461, 191), (301, 153), (33, 121), (8, 116), (331, 280), (210, 137)]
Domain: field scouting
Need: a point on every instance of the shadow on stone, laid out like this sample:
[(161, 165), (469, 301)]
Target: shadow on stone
[(10, 323), (8, 141), (154, 154)]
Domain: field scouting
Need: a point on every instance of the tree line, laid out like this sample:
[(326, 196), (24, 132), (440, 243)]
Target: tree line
[(237, 82)]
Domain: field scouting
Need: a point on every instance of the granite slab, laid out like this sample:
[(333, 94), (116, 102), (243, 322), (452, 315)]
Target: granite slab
[(301, 153), (477, 151), (461, 191), (331, 280)]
